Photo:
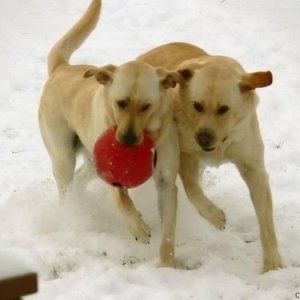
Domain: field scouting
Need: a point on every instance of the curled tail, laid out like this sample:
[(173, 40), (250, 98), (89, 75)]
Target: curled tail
[(63, 49)]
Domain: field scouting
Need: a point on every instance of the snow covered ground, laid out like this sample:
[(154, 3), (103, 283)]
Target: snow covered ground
[(81, 249)]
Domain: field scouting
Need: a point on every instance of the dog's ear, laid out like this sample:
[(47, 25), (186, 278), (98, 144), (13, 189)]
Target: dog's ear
[(169, 79), (103, 75), (186, 73), (251, 81)]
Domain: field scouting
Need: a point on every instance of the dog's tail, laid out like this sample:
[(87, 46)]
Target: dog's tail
[(63, 49)]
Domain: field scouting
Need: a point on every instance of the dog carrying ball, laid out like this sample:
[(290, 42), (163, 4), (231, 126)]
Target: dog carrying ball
[(123, 165)]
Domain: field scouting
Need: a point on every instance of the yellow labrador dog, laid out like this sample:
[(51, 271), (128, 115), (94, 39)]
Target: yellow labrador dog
[(79, 102), (215, 110)]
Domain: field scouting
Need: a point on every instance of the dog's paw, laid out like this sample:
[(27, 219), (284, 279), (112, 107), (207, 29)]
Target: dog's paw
[(139, 229), (215, 216), (210, 212), (219, 219), (274, 264)]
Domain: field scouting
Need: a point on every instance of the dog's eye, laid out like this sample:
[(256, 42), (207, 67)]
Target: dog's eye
[(145, 107), (223, 109), (198, 106), (123, 104)]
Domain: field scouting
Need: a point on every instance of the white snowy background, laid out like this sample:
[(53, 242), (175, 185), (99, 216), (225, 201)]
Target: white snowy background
[(81, 249)]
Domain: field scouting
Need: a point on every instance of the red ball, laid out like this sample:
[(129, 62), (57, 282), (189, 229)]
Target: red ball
[(123, 165)]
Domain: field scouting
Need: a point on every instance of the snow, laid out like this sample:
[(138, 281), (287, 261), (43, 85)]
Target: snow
[(80, 248), (13, 263)]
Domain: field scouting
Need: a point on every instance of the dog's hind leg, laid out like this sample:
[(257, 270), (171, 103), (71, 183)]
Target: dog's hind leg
[(133, 218), (59, 141), (257, 180), (85, 173), (189, 173)]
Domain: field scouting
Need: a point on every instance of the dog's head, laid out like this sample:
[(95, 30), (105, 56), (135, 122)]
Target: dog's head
[(135, 95), (217, 98)]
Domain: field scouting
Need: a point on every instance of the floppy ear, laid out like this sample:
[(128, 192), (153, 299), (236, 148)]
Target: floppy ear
[(169, 79), (251, 81), (186, 73), (103, 74)]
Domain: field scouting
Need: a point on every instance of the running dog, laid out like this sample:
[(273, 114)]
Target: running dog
[(79, 102), (215, 111)]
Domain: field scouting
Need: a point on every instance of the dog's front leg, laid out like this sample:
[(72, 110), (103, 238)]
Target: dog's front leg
[(133, 218), (189, 173), (257, 180), (165, 176)]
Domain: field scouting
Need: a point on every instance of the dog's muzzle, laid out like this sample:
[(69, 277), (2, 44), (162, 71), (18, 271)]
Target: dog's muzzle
[(206, 139), (129, 138)]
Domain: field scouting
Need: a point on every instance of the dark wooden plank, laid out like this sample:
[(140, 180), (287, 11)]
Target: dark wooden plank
[(16, 287)]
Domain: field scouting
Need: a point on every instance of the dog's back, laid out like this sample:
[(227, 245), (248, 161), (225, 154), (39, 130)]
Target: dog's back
[(171, 55)]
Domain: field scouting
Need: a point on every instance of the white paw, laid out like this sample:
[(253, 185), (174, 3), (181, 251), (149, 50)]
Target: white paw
[(139, 229), (215, 216)]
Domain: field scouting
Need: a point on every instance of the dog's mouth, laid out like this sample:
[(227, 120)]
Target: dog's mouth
[(225, 139), (129, 138), (208, 149)]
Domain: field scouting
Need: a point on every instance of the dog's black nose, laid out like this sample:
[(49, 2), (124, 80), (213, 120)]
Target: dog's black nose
[(206, 139), (129, 138)]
